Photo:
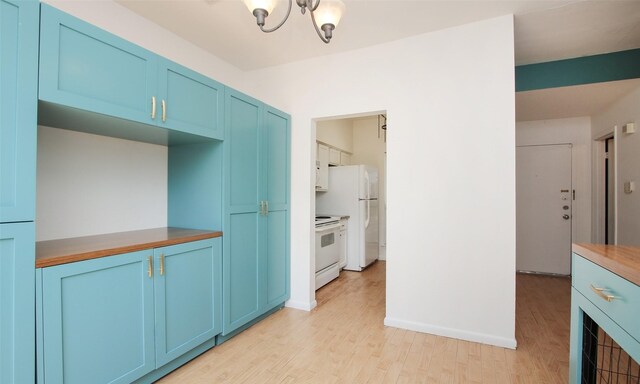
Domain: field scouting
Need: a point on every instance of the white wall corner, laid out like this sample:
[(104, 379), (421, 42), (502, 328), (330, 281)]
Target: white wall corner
[(475, 337), (302, 305)]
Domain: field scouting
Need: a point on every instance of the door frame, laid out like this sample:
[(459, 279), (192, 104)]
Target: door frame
[(598, 225)]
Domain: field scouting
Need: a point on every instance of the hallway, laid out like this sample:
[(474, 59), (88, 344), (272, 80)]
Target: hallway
[(344, 340)]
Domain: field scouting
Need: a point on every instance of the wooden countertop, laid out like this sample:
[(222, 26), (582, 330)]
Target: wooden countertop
[(62, 251), (622, 260)]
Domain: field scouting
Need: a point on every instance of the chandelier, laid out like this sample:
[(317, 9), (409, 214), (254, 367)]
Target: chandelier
[(326, 15)]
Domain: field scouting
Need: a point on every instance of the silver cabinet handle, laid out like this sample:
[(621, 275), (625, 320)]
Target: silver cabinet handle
[(164, 111), (266, 207), (153, 107)]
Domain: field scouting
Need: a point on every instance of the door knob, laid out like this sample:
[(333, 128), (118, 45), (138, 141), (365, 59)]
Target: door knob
[(566, 217)]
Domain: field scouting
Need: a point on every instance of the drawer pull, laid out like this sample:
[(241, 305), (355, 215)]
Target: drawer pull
[(600, 292)]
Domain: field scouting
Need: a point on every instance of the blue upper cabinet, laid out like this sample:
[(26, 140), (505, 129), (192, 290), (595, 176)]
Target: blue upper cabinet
[(18, 109), (84, 67), (89, 69), (190, 102), (256, 250)]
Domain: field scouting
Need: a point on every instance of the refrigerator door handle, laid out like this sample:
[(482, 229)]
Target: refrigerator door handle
[(367, 184), (368, 219)]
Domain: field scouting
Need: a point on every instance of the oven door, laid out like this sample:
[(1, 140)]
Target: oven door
[(327, 245)]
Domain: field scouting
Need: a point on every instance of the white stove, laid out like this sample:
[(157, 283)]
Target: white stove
[(327, 249), (326, 220)]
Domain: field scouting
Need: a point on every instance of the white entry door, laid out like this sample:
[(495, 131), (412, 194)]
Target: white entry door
[(543, 209)]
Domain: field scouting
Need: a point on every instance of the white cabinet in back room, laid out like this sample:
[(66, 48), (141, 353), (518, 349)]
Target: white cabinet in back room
[(334, 156), (322, 181)]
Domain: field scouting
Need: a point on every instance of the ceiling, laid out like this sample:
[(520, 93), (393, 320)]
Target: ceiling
[(575, 101), (545, 30)]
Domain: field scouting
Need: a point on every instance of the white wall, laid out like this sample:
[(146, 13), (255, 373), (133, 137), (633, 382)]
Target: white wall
[(338, 133), (370, 149), (576, 131), (627, 152), (449, 96), (89, 184)]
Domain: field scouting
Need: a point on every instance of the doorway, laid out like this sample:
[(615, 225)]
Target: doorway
[(609, 191), (544, 197), (349, 141)]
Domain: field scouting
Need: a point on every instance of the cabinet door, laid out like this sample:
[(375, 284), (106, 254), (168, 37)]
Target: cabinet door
[(323, 157), (188, 286), (18, 109), (193, 103), (17, 293), (84, 67), (241, 258), (98, 320), (276, 144)]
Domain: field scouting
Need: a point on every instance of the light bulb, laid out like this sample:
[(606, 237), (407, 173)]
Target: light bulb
[(267, 5), (329, 12)]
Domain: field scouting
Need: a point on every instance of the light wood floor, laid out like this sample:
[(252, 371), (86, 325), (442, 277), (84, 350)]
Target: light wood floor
[(344, 340)]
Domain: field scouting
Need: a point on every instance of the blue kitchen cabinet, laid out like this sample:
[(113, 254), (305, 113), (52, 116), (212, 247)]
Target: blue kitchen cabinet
[(256, 250), (188, 297), (84, 67), (118, 318), (18, 109), (193, 103), (612, 303), (276, 155), (241, 261), (17, 292), (89, 69), (98, 320)]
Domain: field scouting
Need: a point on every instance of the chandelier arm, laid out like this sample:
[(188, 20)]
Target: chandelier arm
[(268, 30), (313, 21), (311, 6)]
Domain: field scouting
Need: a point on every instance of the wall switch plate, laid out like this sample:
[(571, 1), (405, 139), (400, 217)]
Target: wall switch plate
[(629, 186), (629, 128)]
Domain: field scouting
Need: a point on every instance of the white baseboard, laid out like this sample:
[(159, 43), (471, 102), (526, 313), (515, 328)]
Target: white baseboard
[(453, 333), (305, 306)]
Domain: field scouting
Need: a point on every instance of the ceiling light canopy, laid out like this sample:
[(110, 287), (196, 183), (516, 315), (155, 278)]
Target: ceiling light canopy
[(325, 14)]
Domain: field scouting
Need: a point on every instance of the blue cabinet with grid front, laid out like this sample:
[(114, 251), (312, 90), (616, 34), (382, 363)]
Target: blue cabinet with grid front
[(605, 309)]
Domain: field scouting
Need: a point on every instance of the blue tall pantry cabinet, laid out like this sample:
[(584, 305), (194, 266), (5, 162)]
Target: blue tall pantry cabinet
[(18, 103), (256, 241)]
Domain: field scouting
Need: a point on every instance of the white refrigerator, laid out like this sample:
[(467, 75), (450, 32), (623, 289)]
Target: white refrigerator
[(353, 191)]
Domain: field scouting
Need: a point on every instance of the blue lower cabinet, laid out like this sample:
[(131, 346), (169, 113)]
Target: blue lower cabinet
[(17, 318), (116, 319), (188, 297), (98, 320)]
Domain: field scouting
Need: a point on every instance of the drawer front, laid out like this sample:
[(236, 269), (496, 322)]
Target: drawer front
[(624, 308)]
